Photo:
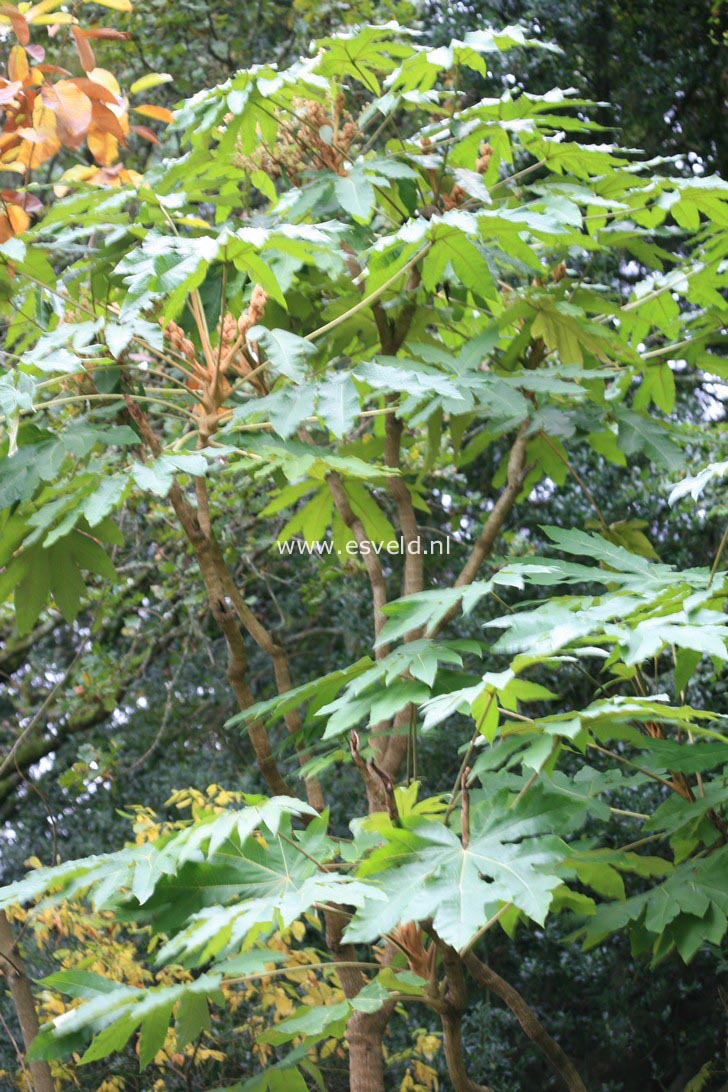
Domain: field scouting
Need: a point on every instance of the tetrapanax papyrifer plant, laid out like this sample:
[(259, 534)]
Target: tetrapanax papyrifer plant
[(353, 283)]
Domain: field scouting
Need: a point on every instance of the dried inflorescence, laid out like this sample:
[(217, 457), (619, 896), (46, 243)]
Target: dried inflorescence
[(207, 371), (180, 343), (410, 941), (483, 161), (313, 139), (454, 199), (234, 353)]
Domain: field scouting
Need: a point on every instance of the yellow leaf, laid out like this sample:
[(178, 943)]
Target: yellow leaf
[(42, 141), (42, 8), (56, 20), (159, 113), (80, 173), (18, 67), (193, 221), (104, 147), (106, 79), (152, 79), (115, 5)]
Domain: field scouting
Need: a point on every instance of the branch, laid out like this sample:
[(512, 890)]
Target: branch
[(220, 589), (365, 1029), (413, 578), (528, 1020), (390, 741), (12, 966), (516, 475), (371, 560), (14, 650), (93, 712), (391, 336), (9, 759), (451, 1016), (373, 785)]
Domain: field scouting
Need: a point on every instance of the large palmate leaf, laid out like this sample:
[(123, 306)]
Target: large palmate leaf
[(425, 871), (691, 906)]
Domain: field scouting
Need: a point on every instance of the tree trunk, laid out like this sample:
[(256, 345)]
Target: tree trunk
[(366, 1061), (13, 968), (365, 1030)]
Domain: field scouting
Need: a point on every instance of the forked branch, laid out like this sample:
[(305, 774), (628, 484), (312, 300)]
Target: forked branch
[(229, 610), (534, 1029)]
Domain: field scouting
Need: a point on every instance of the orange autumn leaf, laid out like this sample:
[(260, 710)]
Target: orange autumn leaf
[(72, 109), (104, 121), (159, 113), (50, 70), (104, 147), (18, 23), (13, 221), (147, 134), (8, 140), (108, 34), (85, 52), (95, 91)]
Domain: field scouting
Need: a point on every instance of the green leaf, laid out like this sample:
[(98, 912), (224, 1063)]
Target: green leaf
[(337, 404), (287, 351), (313, 1022), (637, 433), (193, 1017), (153, 1033), (695, 484), (355, 194), (424, 869)]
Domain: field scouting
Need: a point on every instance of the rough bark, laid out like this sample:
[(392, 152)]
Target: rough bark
[(393, 748), (365, 1030), (12, 966), (451, 1016), (366, 1061)]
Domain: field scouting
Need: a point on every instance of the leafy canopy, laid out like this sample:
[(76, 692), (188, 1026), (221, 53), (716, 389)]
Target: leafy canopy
[(350, 252)]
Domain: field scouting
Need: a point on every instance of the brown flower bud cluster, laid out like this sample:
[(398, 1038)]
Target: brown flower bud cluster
[(410, 941), (180, 343), (207, 371), (233, 335), (454, 199), (314, 139), (483, 161)]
